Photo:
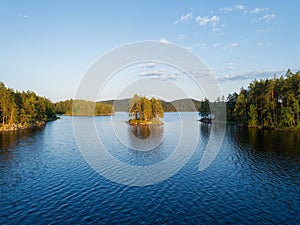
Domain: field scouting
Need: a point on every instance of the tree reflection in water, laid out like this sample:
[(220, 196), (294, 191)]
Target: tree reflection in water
[(145, 138), (141, 132)]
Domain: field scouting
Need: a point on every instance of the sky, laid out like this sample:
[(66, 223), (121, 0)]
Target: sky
[(48, 46)]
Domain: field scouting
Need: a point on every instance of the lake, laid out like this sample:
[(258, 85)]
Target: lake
[(109, 172)]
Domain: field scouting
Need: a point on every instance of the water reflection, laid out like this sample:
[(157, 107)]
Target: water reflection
[(11, 139), (141, 132), (261, 140), (145, 138)]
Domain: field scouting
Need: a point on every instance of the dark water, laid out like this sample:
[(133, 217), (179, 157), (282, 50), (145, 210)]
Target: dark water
[(44, 178)]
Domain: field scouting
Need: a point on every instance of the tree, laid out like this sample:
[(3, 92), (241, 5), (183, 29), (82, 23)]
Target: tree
[(204, 109), (253, 117), (230, 105), (144, 109), (157, 109), (240, 109)]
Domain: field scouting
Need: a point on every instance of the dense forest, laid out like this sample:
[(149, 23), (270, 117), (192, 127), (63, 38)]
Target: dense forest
[(83, 108), (144, 110), (23, 109), (269, 103)]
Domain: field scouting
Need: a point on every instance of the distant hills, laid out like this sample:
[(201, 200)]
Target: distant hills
[(180, 105)]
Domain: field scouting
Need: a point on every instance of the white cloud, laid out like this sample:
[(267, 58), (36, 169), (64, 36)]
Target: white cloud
[(231, 45), (159, 74), (252, 75), (258, 10), (148, 65), (23, 16), (155, 70), (164, 41), (229, 68), (216, 45), (233, 8), (203, 21), (267, 17), (184, 18), (240, 7)]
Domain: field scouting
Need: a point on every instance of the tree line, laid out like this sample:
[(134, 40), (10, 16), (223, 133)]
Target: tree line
[(83, 108), (23, 109), (271, 103)]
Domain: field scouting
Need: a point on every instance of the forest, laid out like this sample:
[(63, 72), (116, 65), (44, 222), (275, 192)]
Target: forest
[(83, 108), (144, 110), (267, 103), (23, 109)]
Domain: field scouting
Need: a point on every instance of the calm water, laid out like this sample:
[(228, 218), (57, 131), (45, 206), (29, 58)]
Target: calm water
[(44, 178)]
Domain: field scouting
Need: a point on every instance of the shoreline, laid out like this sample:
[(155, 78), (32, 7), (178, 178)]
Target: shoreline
[(143, 123), (207, 121), (20, 127)]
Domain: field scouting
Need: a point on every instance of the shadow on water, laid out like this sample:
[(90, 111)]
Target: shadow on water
[(271, 157), (273, 141), (12, 139)]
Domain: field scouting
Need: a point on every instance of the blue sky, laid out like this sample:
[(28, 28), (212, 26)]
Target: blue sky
[(47, 46)]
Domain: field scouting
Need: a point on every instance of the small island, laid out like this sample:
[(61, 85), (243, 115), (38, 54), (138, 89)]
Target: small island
[(144, 111)]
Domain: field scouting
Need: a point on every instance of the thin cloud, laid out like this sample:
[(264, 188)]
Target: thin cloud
[(216, 45), (229, 67), (258, 10), (233, 8), (252, 75), (267, 17), (184, 18), (23, 16), (263, 30), (159, 74), (264, 44), (231, 45), (203, 21), (149, 65), (153, 70)]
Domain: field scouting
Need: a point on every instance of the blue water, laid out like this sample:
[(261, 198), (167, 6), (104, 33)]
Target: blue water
[(44, 178)]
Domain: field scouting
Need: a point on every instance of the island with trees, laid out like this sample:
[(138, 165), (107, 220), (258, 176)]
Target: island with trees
[(144, 111)]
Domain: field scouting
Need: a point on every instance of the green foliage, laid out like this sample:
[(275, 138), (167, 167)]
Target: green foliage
[(230, 105), (253, 117), (23, 108), (144, 109), (83, 108), (204, 108), (272, 103), (240, 108)]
